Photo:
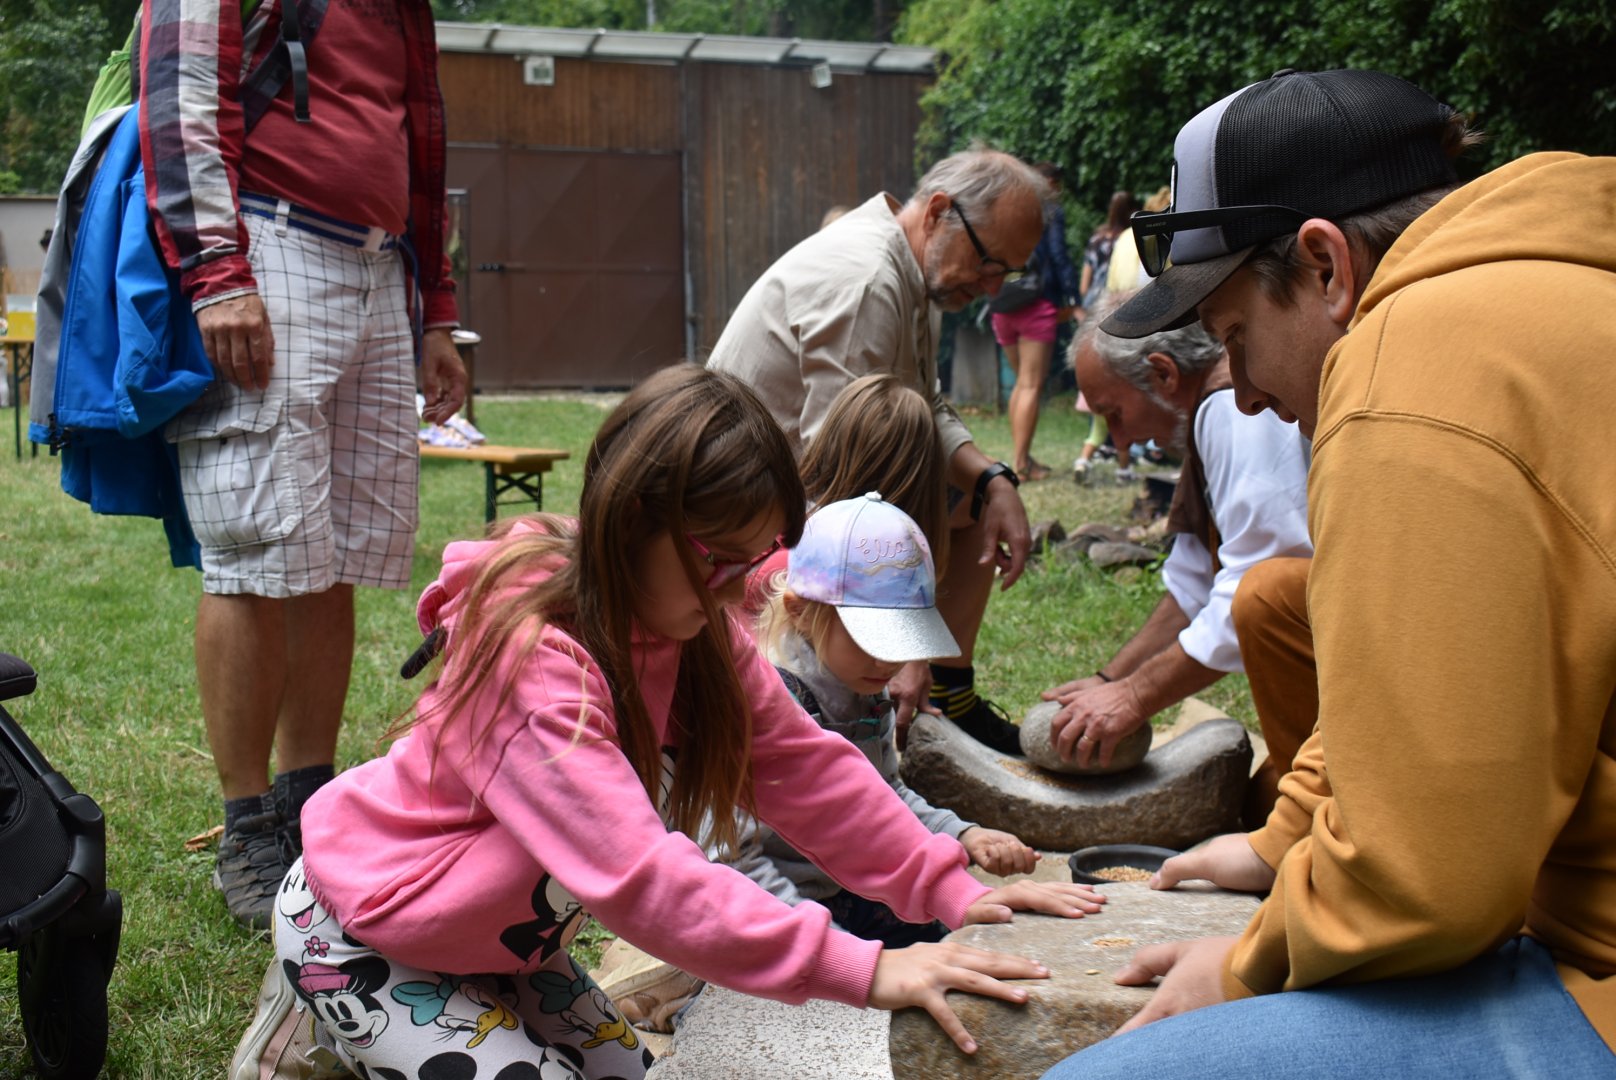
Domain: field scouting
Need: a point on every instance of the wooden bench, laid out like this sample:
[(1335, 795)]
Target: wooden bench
[(506, 468)]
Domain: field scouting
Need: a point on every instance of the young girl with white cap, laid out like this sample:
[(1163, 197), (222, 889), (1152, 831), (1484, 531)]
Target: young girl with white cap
[(858, 601)]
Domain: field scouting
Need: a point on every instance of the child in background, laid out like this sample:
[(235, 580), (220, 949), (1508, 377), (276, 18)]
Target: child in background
[(859, 599), (879, 435), (596, 703)]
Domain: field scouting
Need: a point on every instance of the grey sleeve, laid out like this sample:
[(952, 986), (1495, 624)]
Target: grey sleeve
[(951, 430), (751, 860), (934, 818)]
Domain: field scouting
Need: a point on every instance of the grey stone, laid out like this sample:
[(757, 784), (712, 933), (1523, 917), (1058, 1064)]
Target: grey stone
[(1122, 554), (1084, 537), (1036, 745), (1079, 1004), (1100, 531), (1184, 792), (1046, 535), (726, 1035), (1072, 550), (1152, 535)]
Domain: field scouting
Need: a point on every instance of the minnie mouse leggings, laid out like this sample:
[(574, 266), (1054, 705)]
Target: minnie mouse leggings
[(388, 1021)]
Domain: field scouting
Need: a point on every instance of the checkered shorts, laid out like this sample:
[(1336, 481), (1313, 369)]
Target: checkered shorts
[(312, 481)]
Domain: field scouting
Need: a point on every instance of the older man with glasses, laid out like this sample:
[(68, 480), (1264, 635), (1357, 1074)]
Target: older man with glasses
[(866, 295), (1241, 502)]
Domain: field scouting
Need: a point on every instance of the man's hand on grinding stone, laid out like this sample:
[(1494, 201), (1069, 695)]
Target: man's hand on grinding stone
[(1094, 720), (1227, 861), (921, 974), (1191, 974), (1049, 897)]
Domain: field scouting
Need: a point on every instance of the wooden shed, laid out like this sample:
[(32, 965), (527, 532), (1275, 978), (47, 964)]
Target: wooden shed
[(615, 193)]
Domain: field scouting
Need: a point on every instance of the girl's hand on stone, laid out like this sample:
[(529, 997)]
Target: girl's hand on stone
[(921, 974), (1227, 861), (998, 852), (1048, 897)]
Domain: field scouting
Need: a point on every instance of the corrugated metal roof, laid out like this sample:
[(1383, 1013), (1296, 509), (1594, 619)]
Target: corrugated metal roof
[(642, 45)]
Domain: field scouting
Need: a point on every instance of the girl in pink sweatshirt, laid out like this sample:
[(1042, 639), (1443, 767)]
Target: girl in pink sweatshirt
[(595, 705)]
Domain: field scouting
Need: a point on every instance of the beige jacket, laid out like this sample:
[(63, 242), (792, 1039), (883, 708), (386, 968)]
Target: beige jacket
[(1461, 784), (848, 301)]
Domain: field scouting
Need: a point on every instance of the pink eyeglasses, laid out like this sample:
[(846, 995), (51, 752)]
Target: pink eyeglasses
[(727, 570)]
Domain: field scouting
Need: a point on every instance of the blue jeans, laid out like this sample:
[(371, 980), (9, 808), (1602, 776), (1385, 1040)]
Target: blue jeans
[(1501, 1015)]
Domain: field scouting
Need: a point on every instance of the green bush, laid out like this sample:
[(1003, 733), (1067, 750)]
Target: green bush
[(1103, 90)]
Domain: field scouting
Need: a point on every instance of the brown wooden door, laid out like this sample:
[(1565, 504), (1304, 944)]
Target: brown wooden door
[(575, 264)]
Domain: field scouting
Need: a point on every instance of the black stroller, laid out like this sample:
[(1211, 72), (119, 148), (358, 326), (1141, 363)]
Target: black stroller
[(55, 909)]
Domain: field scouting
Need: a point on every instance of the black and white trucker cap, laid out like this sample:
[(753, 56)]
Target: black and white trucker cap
[(1319, 144)]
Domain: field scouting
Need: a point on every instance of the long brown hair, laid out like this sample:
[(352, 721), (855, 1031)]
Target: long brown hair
[(880, 435), (688, 451), (1118, 212)]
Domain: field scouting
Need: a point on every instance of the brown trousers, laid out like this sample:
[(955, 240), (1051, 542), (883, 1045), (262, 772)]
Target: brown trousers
[(1276, 646)]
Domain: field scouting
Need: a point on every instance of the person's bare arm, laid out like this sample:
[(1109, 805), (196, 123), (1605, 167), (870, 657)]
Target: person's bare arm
[(1007, 538)]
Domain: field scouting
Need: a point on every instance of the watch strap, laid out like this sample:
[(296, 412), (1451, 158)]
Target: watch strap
[(986, 477)]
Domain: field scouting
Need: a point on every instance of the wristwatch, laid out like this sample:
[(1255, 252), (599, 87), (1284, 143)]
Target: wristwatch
[(979, 496)]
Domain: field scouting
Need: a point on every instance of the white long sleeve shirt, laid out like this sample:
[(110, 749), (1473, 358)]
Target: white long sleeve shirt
[(1256, 479)]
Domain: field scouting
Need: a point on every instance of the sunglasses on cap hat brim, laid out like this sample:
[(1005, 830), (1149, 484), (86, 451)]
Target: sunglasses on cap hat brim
[(1169, 301), (1153, 233)]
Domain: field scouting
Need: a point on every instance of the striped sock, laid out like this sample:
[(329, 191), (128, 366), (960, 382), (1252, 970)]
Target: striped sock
[(953, 690)]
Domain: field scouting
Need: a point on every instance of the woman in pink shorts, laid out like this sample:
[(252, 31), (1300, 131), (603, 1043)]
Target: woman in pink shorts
[(1027, 334)]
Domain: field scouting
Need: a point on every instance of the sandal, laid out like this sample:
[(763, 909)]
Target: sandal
[(1034, 470)]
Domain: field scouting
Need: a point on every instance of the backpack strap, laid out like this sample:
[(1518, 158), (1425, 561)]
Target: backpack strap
[(134, 60), (799, 690), (300, 22)]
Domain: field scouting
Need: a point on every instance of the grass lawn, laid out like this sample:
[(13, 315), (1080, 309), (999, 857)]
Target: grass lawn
[(91, 603)]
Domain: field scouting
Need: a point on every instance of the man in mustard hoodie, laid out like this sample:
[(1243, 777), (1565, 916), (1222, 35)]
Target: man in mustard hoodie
[(1442, 857)]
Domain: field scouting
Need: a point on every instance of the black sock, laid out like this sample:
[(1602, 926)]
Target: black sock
[(293, 788), (247, 806), (953, 690)]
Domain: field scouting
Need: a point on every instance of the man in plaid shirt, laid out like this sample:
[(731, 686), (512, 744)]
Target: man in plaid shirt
[(299, 465)]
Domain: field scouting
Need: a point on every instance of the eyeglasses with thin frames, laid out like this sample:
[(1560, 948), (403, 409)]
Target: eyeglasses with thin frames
[(989, 266), (725, 571), (1153, 233)]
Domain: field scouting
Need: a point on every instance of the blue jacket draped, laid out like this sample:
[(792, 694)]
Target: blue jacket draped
[(130, 356)]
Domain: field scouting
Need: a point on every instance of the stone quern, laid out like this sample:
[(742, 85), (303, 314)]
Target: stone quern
[(1072, 1008), (1185, 791), (1036, 745)]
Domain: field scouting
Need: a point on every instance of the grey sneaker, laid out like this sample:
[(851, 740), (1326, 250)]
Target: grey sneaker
[(252, 861)]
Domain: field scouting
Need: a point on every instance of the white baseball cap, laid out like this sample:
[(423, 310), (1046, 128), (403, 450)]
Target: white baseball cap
[(870, 561)]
